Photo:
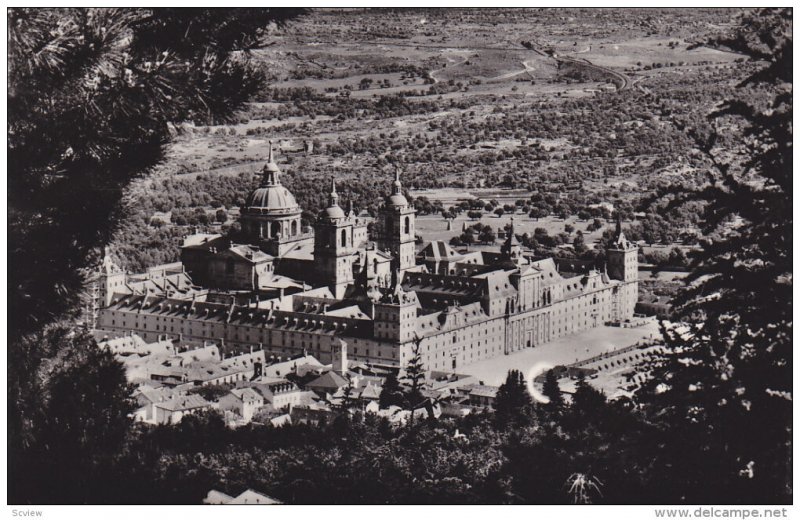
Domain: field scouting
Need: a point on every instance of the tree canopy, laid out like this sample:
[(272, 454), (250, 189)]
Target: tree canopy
[(723, 393), (92, 94)]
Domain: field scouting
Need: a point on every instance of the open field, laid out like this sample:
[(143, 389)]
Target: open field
[(440, 95), (431, 227)]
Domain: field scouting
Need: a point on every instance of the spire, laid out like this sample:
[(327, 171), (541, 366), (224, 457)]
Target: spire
[(271, 172), (511, 247), (350, 211), (334, 197), (620, 241), (398, 187)]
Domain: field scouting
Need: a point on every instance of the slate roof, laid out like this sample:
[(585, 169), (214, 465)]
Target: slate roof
[(438, 249)]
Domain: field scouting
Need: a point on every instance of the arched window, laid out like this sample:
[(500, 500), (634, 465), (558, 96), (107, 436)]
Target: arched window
[(375, 265), (294, 228), (344, 238), (408, 226), (276, 229)]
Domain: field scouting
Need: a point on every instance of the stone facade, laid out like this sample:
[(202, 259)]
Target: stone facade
[(383, 298)]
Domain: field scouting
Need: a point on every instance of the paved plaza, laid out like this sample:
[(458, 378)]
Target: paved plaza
[(563, 351)]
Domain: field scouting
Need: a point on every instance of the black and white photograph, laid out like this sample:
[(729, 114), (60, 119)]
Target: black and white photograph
[(407, 256)]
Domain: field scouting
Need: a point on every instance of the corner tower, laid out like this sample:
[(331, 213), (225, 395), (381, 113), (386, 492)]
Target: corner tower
[(623, 258), (396, 227), (623, 265)]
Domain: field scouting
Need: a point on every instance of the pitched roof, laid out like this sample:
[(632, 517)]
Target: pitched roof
[(215, 497), (247, 394), (203, 371), (199, 239), (253, 498), (484, 391), (187, 402), (371, 391), (290, 365), (437, 249), (250, 253), (328, 381)]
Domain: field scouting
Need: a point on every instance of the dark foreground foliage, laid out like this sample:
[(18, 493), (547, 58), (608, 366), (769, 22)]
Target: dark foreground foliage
[(713, 425)]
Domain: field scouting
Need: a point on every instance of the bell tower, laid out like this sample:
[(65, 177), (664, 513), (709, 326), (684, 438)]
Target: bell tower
[(396, 227), (511, 248), (333, 245), (623, 265), (623, 258)]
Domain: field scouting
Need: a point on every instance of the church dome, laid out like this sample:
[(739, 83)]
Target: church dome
[(333, 211), (271, 197), (396, 199)]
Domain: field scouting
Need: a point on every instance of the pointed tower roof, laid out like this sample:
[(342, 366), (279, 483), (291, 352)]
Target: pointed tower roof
[(333, 211), (271, 172), (512, 235), (396, 199), (511, 245), (620, 242), (109, 266)]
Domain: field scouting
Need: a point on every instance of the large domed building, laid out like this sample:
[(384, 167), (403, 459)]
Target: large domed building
[(271, 215), (290, 291)]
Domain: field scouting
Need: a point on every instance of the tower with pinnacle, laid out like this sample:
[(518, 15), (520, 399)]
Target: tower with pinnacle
[(623, 265), (334, 249), (395, 225)]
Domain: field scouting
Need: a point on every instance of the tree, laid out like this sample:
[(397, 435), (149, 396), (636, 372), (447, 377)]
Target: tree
[(468, 237), (347, 397), (92, 95), (537, 213), (499, 212), (415, 375), (552, 391), (587, 401), (69, 416), (391, 393), (513, 404), (722, 392), (487, 235), (677, 257), (221, 216), (210, 392), (578, 243), (595, 225)]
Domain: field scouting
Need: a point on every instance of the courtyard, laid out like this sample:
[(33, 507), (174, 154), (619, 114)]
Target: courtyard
[(563, 351)]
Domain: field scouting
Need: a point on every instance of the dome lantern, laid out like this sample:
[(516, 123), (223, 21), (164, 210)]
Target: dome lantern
[(396, 199), (333, 211)]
